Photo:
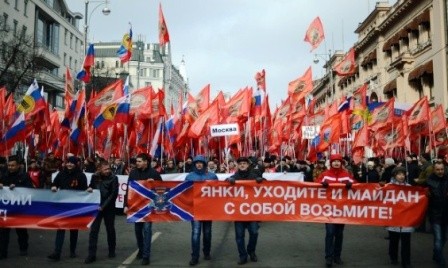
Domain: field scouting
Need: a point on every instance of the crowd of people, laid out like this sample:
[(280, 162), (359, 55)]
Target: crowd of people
[(413, 170)]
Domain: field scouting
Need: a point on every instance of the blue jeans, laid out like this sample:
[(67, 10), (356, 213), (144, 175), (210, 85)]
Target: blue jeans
[(240, 228), (333, 240), (439, 231), (60, 237), (143, 234), (196, 227)]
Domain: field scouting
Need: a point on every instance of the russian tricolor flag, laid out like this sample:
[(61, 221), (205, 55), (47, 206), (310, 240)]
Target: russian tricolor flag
[(89, 60), (16, 132)]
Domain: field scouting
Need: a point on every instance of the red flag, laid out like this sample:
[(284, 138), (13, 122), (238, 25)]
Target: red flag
[(238, 107), (359, 101), (361, 138), (110, 93), (141, 99), (164, 36), (382, 115), (203, 99), (300, 87), (330, 132), (438, 119), (208, 117), (260, 78), (348, 65), (315, 33), (419, 112)]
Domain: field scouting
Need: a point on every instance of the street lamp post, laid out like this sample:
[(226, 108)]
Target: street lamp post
[(329, 70), (106, 11)]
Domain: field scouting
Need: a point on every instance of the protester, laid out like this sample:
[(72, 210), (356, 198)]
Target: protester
[(200, 173), (335, 232), (389, 165), (35, 173), (51, 165), (372, 175), (397, 234), (143, 230), (14, 177), (438, 209), (70, 178), (245, 173), (107, 183), (170, 168), (212, 166), (188, 165), (318, 169)]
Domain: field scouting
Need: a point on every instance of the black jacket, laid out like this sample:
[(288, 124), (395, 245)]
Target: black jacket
[(108, 186), (141, 174), (438, 199), (249, 174), (73, 179), (19, 179)]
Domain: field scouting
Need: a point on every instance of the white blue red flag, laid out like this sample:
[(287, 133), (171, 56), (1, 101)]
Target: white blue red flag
[(42, 209)]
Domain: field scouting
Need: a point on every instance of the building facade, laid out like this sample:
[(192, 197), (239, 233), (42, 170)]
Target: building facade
[(57, 42), (150, 65), (401, 52)]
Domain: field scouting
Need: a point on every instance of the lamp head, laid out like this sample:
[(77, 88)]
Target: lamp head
[(106, 11)]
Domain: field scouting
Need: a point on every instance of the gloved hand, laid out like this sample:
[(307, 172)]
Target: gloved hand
[(231, 180), (259, 180), (325, 184), (348, 185)]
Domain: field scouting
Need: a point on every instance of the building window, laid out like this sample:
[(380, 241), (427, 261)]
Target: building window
[(76, 44), (70, 62), (65, 59), (66, 37), (97, 65), (102, 64), (76, 65), (71, 41), (16, 4), (16, 23), (24, 29), (25, 8), (59, 101), (155, 73), (5, 22), (116, 64)]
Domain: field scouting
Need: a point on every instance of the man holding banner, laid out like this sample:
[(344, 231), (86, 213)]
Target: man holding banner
[(70, 178), (107, 183), (334, 232), (245, 173), (14, 177), (143, 230), (200, 173)]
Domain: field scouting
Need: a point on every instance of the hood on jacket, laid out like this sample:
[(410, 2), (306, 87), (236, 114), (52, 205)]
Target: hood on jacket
[(200, 158)]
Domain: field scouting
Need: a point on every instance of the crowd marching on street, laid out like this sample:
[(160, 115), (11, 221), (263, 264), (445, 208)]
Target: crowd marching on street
[(412, 171)]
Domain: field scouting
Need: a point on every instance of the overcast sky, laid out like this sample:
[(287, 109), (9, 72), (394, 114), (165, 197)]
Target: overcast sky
[(225, 42)]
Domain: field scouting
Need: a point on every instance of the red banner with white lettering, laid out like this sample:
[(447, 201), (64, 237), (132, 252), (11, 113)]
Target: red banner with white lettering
[(364, 203)]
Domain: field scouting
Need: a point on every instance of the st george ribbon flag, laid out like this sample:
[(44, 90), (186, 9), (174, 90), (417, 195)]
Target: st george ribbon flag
[(160, 201), (42, 209)]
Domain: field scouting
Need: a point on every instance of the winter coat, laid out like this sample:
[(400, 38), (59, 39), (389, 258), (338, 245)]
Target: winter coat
[(399, 229), (200, 174), (336, 175), (138, 175), (73, 179), (108, 186), (438, 199), (19, 179)]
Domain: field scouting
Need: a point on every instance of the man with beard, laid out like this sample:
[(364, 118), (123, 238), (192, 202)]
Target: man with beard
[(334, 232), (70, 178), (107, 183), (143, 230), (14, 177), (245, 173)]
